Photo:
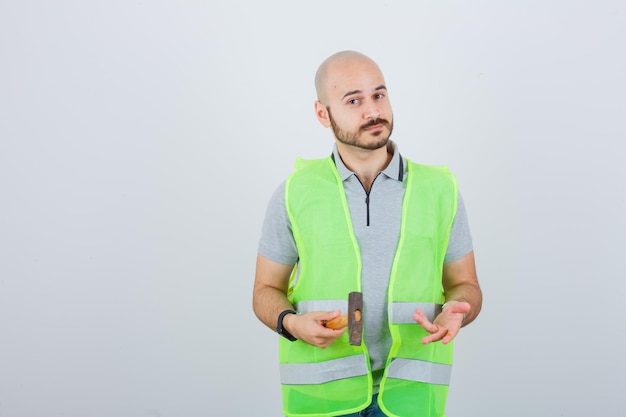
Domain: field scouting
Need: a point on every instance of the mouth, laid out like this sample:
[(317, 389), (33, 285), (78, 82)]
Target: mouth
[(374, 125), (377, 126)]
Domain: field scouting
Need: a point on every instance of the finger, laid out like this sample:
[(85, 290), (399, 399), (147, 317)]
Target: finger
[(316, 334), (440, 334), (327, 315), (421, 319), (450, 335), (321, 317), (329, 337)]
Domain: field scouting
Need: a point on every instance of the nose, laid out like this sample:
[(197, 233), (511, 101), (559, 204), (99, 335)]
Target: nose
[(371, 111)]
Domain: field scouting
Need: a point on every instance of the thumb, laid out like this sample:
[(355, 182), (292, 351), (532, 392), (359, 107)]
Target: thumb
[(458, 307), (326, 315), (334, 320), (333, 314)]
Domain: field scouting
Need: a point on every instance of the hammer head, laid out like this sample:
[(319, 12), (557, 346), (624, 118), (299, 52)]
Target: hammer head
[(355, 324)]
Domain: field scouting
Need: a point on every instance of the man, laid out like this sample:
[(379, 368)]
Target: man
[(365, 219)]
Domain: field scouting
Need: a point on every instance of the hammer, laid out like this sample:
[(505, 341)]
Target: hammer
[(352, 319)]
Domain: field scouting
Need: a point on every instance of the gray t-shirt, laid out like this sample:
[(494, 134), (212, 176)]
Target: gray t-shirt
[(376, 225)]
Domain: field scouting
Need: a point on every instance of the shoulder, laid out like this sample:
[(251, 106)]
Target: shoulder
[(308, 166), (310, 172), (431, 169), (439, 174)]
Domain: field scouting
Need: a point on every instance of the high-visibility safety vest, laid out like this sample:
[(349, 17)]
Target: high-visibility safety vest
[(337, 380)]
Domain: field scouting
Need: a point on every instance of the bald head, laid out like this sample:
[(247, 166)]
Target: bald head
[(352, 100), (337, 66)]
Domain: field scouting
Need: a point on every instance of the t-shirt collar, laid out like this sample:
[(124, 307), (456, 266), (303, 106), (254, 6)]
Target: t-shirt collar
[(395, 169)]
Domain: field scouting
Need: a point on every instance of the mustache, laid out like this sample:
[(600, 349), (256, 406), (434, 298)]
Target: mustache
[(375, 122)]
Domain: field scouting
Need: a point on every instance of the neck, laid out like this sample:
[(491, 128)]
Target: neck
[(366, 164)]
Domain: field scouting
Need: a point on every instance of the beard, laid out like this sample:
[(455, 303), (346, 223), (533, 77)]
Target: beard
[(352, 138)]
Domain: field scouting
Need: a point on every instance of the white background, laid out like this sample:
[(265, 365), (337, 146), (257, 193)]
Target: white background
[(140, 142)]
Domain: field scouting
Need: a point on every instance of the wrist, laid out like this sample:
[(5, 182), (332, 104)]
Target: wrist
[(288, 323), (280, 325)]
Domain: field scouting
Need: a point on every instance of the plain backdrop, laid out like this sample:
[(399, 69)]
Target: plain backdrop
[(141, 140)]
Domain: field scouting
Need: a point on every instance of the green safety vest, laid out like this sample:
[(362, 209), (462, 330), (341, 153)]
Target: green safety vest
[(337, 380)]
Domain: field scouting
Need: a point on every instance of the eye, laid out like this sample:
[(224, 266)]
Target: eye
[(353, 101), (379, 96)]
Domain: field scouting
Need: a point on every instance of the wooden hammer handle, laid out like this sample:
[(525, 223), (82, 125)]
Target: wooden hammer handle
[(337, 323)]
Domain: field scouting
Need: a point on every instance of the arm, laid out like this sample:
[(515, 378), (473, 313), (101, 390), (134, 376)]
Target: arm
[(463, 301), (269, 299), (460, 284)]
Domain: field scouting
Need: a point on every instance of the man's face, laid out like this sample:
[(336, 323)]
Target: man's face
[(358, 107)]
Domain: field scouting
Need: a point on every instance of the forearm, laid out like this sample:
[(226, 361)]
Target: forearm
[(269, 297), (268, 303), (469, 293)]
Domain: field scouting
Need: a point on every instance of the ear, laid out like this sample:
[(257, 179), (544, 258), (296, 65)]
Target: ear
[(322, 114)]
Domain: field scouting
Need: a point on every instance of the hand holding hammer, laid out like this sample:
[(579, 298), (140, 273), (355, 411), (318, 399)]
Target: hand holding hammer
[(352, 319)]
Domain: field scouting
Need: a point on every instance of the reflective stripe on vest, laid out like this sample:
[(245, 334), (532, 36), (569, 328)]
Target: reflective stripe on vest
[(322, 372), (420, 371), (402, 313), (413, 369), (309, 306)]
